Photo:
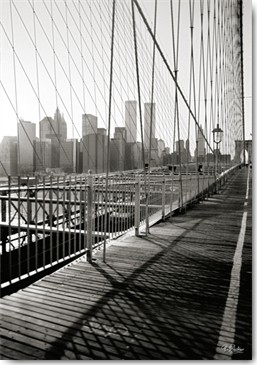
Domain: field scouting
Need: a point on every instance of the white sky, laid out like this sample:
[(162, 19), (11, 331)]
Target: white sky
[(74, 103)]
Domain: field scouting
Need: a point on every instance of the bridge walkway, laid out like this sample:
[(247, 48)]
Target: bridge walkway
[(180, 293)]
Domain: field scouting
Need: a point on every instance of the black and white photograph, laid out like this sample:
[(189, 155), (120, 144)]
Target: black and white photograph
[(126, 169)]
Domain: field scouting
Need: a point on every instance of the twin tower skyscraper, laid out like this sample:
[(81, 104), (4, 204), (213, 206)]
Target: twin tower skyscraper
[(89, 123)]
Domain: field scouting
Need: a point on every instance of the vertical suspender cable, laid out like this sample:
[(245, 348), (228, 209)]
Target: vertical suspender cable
[(102, 55), (139, 95), (54, 57), (109, 129), (152, 89), (168, 67), (38, 84), (82, 58), (208, 60), (15, 87), (92, 52), (191, 78), (242, 73), (151, 118), (176, 114), (205, 72), (71, 99), (174, 62)]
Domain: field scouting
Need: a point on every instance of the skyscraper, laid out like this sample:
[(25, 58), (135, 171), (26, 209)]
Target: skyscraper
[(93, 148), (89, 124), (54, 130), (42, 155), (60, 125), (201, 142), (118, 149), (131, 120), (46, 128), (26, 138), (161, 147), (180, 146), (8, 153), (68, 155), (120, 133), (147, 123)]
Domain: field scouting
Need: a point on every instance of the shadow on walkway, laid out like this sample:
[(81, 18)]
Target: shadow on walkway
[(158, 297)]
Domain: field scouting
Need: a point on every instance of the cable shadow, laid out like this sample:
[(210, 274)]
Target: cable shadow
[(144, 310)]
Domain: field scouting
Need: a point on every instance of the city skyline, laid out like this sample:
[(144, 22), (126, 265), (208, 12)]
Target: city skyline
[(55, 151), (70, 98)]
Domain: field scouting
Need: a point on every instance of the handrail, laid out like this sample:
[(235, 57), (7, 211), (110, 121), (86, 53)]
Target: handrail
[(62, 220)]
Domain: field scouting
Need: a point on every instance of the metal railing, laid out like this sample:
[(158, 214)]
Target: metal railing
[(44, 222)]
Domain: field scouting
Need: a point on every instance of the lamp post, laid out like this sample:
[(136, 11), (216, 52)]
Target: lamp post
[(217, 138)]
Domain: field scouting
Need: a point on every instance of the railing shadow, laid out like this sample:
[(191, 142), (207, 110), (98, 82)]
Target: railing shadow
[(156, 312)]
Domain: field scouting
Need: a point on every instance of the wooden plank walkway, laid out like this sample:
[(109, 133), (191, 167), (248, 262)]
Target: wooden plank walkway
[(157, 297)]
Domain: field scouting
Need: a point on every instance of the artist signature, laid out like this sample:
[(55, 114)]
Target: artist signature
[(232, 349)]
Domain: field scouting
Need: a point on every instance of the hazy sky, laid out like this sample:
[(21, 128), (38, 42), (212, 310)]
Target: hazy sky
[(42, 72), (165, 40)]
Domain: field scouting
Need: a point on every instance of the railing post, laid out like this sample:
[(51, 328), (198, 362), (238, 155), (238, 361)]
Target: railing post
[(171, 195), (190, 190), (89, 218), (208, 182), (163, 198), (3, 207), (137, 205), (147, 211)]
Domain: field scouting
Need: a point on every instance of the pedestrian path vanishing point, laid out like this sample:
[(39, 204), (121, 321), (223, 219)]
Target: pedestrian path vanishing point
[(163, 296)]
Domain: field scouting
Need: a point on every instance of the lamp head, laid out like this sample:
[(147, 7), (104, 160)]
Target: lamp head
[(217, 134)]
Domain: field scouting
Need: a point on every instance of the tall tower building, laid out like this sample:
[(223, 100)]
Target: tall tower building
[(46, 128), (201, 142), (120, 133), (131, 120), (89, 124), (54, 130), (118, 149), (60, 125), (180, 146), (43, 154), (8, 153), (147, 123), (26, 138), (93, 148), (161, 147)]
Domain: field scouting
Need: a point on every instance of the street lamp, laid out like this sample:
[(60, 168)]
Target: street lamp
[(217, 135), (217, 138)]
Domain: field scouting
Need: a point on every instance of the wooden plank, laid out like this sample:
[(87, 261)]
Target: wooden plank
[(113, 338), (48, 336), (123, 313), (157, 297), (16, 342), (64, 314)]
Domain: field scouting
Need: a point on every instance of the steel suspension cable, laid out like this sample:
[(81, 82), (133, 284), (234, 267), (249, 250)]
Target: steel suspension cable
[(15, 83), (109, 129), (37, 76), (81, 55), (168, 68), (176, 112), (28, 79), (140, 113), (151, 118), (138, 90), (191, 78), (54, 53), (70, 83), (17, 116)]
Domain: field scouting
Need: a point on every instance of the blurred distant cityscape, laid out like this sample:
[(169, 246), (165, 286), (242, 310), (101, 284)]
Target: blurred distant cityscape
[(53, 152)]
